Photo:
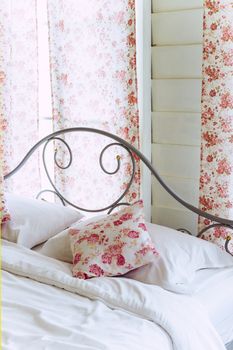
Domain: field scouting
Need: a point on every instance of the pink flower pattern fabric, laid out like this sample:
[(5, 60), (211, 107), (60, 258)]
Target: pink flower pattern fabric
[(216, 190), (19, 93), (4, 213), (113, 245), (94, 84)]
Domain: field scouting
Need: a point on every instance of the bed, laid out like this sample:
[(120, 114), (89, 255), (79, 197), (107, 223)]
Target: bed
[(189, 305)]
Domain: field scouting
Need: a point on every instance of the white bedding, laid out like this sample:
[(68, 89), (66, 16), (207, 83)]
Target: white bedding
[(102, 313), (215, 292)]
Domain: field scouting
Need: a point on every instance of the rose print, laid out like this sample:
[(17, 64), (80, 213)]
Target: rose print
[(96, 270), (126, 216), (117, 222), (133, 234), (106, 258), (120, 260), (142, 225), (112, 250), (77, 258), (105, 82)]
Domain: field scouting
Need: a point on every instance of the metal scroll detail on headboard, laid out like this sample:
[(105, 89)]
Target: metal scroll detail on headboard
[(217, 221)]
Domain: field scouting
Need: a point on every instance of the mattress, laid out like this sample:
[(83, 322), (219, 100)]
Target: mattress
[(214, 289)]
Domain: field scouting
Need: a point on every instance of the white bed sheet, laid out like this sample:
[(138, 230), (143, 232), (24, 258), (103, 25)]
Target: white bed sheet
[(214, 289), (103, 313), (37, 316)]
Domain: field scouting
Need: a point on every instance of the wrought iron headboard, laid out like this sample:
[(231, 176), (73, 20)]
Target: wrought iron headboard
[(217, 221)]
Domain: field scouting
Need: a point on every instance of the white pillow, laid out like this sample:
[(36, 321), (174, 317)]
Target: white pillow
[(58, 247), (34, 221), (180, 257)]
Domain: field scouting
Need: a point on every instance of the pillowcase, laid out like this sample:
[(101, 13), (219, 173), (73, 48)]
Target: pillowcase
[(180, 257), (58, 247), (34, 221), (113, 245), (4, 212)]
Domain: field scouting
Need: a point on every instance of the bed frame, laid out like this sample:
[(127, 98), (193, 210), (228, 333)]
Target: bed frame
[(115, 141)]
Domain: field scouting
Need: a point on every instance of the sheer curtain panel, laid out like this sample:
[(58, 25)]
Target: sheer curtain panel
[(216, 181), (19, 91), (93, 76)]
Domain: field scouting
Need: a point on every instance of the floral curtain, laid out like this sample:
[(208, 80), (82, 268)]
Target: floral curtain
[(216, 181), (93, 74), (19, 91)]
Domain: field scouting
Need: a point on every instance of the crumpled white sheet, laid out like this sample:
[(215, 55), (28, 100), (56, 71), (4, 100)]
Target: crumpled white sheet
[(101, 313)]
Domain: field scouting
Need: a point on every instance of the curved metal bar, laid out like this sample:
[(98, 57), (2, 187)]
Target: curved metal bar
[(65, 200), (55, 153), (50, 191), (212, 226), (228, 239), (117, 205), (139, 154), (184, 231), (118, 158)]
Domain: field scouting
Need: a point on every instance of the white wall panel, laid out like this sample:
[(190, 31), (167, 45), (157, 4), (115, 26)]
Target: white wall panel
[(176, 128), (187, 189), (175, 218), (171, 5), (176, 95), (177, 28), (179, 161), (177, 61)]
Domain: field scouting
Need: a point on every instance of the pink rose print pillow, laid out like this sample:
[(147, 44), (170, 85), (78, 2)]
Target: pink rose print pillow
[(4, 213), (113, 245)]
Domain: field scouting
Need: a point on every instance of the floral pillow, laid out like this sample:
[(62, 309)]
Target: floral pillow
[(113, 245), (4, 213)]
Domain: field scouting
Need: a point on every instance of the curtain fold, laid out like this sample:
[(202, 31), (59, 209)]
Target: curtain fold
[(93, 79), (19, 92), (216, 181)]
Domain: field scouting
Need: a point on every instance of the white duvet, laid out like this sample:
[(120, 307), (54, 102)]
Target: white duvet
[(52, 310)]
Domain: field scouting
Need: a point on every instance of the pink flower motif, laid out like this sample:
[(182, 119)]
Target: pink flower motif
[(120, 260), (224, 167), (96, 270), (61, 25), (207, 203), (222, 190), (126, 216), (77, 258), (228, 58), (106, 258), (220, 232), (117, 222), (131, 39), (73, 231), (227, 33), (142, 226), (93, 238), (80, 275), (143, 251), (227, 100), (132, 99), (2, 77), (133, 234), (213, 73), (210, 138)]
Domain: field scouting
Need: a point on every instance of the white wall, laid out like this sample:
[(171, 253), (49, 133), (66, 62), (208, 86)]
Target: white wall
[(143, 30), (176, 106)]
